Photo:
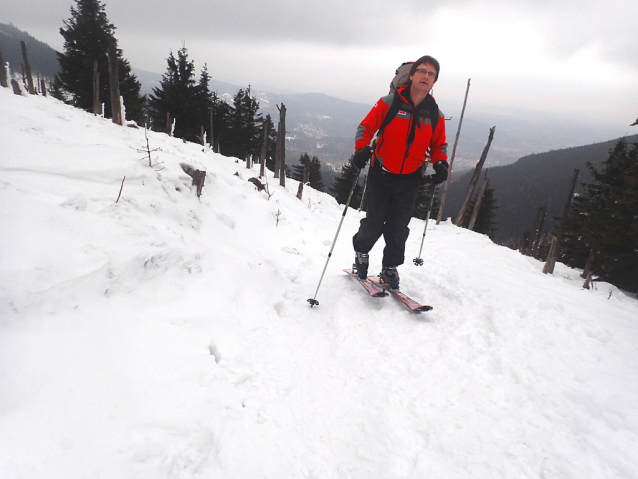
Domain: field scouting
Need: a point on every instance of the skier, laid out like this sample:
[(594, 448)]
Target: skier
[(397, 158)]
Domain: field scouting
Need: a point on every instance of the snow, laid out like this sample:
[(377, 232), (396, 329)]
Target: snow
[(166, 336)]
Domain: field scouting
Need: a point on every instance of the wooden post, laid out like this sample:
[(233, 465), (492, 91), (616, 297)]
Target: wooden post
[(27, 68), (97, 105), (456, 140), (264, 148), (553, 254), (477, 203), (4, 81), (475, 177), (114, 84)]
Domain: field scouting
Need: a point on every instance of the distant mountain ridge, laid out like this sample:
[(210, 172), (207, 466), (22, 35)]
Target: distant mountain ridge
[(541, 179)]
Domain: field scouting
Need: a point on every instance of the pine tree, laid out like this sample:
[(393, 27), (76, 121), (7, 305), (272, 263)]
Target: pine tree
[(87, 36), (299, 168), (222, 113), (244, 136), (271, 142), (486, 219), (605, 219), (342, 184), (422, 205), (181, 97), (203, 102), (316, 179)]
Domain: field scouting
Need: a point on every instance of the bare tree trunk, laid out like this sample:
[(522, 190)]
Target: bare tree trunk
[(212, 136), (202, 136), (169, 125), (264, 148), (456, 140), (97, 104), (16, 87), (43, 87), (306, 179), (198, 176), (589, 265), (477, 203), (553, 254), (538, 230), (551, 257), (4, 81), (27, 68), (280, 167), (114, 83), (588, 281), (475, 177), (278, 151)]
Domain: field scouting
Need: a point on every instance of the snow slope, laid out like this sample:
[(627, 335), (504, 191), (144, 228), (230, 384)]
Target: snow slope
[(164, 336)]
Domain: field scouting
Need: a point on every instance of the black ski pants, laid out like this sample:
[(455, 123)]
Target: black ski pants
[(389, 209)]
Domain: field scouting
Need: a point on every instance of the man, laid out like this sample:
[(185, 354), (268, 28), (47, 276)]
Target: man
[(396, 159)]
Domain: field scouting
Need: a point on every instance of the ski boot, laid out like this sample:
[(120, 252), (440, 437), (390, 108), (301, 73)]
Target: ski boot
[(390, 276), (360, 265)]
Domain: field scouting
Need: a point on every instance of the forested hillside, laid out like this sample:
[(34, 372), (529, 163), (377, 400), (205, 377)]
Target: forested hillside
[(533, 181), (41, 56)]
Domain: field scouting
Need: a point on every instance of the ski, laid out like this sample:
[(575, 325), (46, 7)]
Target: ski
[(371, 287), (408, 302)]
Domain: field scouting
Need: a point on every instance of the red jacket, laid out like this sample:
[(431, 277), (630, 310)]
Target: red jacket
[(404, 141)]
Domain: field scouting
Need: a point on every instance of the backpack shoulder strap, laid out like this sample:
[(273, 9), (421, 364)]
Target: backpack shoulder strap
[(392, 112), (433, 111), (434, 118)]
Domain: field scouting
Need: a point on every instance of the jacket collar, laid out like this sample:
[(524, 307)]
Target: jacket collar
[(404, 92)]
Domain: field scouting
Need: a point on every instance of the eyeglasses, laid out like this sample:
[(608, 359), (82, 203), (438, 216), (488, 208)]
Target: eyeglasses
[(426, 72)]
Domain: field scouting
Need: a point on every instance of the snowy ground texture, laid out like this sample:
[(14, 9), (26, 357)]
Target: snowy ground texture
[(167, 337)]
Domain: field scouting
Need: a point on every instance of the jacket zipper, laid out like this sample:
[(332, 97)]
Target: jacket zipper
[(408, 143)]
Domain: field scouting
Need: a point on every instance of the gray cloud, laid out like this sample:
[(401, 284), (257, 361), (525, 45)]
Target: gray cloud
[(348, 49), (569, 25)]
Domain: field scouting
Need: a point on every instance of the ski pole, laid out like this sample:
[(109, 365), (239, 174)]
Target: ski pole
[(363, 195), (313, 301), (419, 261)]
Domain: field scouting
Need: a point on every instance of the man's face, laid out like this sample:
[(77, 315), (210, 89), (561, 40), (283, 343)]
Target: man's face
[(424, 77)]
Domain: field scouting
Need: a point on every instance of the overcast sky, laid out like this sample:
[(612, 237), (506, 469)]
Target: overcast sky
[(572, 58)]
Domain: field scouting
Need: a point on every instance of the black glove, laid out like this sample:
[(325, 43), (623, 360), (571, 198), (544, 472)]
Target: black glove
[(440, 172), (361, 157)]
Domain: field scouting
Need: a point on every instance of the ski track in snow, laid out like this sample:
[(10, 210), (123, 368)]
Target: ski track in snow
[(166, 336)]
